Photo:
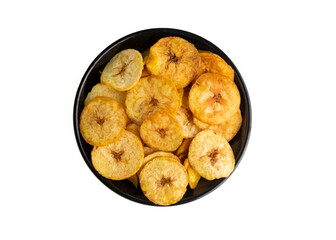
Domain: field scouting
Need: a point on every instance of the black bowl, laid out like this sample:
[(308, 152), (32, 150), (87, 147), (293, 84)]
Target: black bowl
[(141, 41)]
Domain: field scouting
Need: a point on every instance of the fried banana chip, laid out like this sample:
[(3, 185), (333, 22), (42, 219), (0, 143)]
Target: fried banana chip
[(133, 128), (164, 181), (185, 118), (149, 150), (180, 93), (102, 90), (120, 159), (228, 129), (151, 93), (123, 71), (211, 155), (193, 176), (174, 58), (213, 63), (102, 121), (161, 131), (134, 179), (184, 147), (214, 98)]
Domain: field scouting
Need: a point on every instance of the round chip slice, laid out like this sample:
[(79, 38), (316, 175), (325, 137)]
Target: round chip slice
[(213, 63), (164, 181), (161, 131), (228, 129), (102, 90), (174, 58), (123, 71), (185, 119), (102, 121), (211, 155), (151, 93), (214, 98), (120, 159)]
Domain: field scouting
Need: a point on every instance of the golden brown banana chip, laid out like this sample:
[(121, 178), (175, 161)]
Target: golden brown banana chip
[(102, 90), (184, 147), (102, 121), (193, 176), (211, 155), (185, 119), (134, 128), (174, 58), (213, 63), (161, 131), (123, 71), (120, 159), (151, 93), (214, 98), (180, 93), (163, 181), (134, 179), (228, 129), (149, 150)]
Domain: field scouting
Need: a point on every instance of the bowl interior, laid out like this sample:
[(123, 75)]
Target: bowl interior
[(141, 41)]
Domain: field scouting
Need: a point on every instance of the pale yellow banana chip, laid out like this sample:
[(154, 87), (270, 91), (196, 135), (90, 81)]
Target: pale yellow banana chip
[(185, 118), (161, 131), (120, 159), (175, 59), (211, 155), (123, 71), (102, 90), (228, 129), (193, 176), (214, 98), (102, 121), (151, 93), (213, 63), (163, 180)]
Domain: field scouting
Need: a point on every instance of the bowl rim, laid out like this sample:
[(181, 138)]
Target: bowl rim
[(76, 113)]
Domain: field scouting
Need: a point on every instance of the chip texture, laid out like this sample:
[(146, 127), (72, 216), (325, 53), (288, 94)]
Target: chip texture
[(164, 181), (102, 121), (102, 90), (228, 129), (211, 155), (185, 119), (151, 93), (174, 58), (120, 159), (214, 98), (161, 131), (123, 71)]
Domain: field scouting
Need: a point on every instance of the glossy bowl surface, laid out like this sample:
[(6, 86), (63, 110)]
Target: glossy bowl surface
[(141, 41)]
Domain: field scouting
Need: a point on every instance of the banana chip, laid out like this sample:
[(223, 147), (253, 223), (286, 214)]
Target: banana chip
[(123, 71), (102, 121), (228, 129), (213, 63), (185, 119), (133, 128), (184, 147), (120, 159), (214, 98), (180, 93), (102, 90), (151, 93), (163, 180), (161, 131), (211, 155), (174, 58), (193, 176)]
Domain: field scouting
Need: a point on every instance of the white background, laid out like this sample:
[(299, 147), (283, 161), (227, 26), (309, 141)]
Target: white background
[(284, 187)]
